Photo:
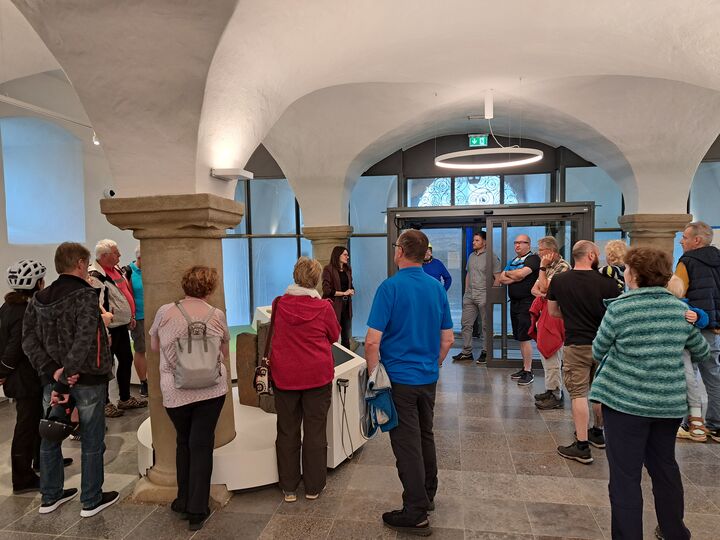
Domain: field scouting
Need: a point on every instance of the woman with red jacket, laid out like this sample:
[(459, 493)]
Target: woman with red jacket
[(305, 327), (337, 285)]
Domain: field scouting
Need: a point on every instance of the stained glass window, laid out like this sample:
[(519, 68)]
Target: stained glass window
[(429, 192), (478, 190)]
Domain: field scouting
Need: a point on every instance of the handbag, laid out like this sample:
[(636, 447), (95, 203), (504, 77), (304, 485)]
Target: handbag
[(198, 355), (263, 379)]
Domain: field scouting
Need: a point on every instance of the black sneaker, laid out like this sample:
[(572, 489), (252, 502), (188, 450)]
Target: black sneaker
[(576, 453), (463, 356), (108, 499), (482, 359), (401, 521), (68, 494), (196, 521), (515, 376), (596, 437), (550, 403), (526, 378), (143, 389), (546, 394)]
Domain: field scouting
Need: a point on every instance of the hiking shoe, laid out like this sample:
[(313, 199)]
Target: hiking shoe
[(143, 389), (68, 494), (515, 376), (526, 378), (596, 437), (463, 356), (401, 521), (545, 395), (111, 411), (132, 403), (108, 499), (576, 453), (550, 403), (290, 496)]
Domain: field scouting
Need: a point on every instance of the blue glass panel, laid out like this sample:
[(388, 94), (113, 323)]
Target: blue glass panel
[(594, 184), (306, 248), (44, 182), (447, 248), (527, 188), (240, 197), (428, 191), (369, 264), (273, 207), (705, 194), (478, 190), (371, 197), (236, 280), (273, 260), (602, 238)]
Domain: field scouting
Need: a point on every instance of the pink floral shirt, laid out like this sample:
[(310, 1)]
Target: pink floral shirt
[(169, 325)]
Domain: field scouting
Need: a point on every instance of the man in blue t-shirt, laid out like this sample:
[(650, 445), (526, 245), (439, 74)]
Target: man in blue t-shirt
[(435, 268), (411, 331)]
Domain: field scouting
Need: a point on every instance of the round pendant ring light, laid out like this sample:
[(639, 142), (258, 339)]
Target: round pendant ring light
[(536, 155)]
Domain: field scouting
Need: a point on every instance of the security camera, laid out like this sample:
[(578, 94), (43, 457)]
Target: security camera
[(109, 193)]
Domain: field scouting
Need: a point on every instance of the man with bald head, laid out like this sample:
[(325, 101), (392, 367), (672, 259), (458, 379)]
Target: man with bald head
[(577, 296), (520, 275)]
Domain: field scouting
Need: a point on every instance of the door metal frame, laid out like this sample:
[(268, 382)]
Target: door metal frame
[(489, 217)]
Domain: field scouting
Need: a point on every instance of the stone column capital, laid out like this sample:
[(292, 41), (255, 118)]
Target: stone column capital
[(329, 233), (200, 215), (653, 225)]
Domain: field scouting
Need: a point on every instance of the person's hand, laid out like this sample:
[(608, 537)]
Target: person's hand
[(546, 260), (73, 379), (132, 324), (58, 399), (691, 316), (350, 292), (58, 373), (107, 317)]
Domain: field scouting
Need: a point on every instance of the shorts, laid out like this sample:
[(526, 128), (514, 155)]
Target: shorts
[(138, 336), (578, 370), (520, 318)]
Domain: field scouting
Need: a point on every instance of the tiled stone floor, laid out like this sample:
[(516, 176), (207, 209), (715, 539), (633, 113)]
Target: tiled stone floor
[(500, 478)]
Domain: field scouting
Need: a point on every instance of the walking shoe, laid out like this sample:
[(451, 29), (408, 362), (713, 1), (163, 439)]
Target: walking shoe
[(596, 437), (196, 521), (550, 403), (515, 376), (463, 356), (576, 453), (108, 499), (545, 395), (526, 378), (143, 389), (401, 521), (68, 494), (290, 496), (132, 403), (33, 485), (482, 359), (111, 411)]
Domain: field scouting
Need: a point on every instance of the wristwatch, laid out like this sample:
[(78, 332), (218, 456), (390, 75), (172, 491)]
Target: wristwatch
[(543, 268)]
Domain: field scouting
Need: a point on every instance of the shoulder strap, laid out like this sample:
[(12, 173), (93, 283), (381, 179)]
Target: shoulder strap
[(187, 317), (271, 329)]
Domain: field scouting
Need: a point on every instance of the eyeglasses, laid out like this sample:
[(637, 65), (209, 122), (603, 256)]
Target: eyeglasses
[(520, 242), (397, 246)]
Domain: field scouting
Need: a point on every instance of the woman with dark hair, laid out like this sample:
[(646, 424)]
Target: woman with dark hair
[(641, 385), (337, 285), (20, 381)]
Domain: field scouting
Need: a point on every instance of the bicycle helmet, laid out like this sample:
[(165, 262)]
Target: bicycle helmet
[(24, 275), (55, 426)]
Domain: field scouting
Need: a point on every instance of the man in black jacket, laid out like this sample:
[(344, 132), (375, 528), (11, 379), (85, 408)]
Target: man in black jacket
[(65, 339)]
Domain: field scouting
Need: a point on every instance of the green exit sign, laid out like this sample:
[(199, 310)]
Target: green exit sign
[(477, 141)]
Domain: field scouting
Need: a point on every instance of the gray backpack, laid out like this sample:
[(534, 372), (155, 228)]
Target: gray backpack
[(198, 355)]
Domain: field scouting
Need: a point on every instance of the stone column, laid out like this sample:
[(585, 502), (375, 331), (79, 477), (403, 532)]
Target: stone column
[(175, 233), (324, 239), (654, 230)]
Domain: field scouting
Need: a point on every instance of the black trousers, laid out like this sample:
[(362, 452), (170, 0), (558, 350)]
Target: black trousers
[(195, 427), (122, 350), (25, 447), (413, 444), (345, 326), (308, 408), (631, 442)]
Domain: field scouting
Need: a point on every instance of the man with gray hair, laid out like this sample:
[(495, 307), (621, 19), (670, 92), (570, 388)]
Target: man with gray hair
[(551, 264), (699, 270), (116, 297)]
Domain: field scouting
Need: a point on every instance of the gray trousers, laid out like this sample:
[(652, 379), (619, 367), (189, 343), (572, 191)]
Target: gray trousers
[(553, 372), (471, 308)]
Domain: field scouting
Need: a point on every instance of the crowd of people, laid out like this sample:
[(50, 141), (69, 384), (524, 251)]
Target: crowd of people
[(628, 343)]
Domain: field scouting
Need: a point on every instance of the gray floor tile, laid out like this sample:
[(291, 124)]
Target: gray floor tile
[(702, 474), (325, 506), (496, 516), (112, 523), (540, 464), (481, 425), (13, 535), (551, 489), (486, 535), (356, 530), (13, 507), (261, 501), (55, 523), (161, 524), (531, 442), (297, 527), (487, 461), (570, 520), (479, 486), (233, 525)]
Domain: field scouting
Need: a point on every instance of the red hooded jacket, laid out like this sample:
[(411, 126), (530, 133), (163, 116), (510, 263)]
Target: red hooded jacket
[(301, 348), (546, 330)]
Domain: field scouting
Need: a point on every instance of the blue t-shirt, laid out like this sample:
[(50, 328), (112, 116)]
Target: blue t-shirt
[(410, 309), (137, 287), (436, 269)]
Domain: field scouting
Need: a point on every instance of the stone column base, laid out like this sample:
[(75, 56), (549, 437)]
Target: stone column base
[(654, 230), (324, 239), (148, 492)]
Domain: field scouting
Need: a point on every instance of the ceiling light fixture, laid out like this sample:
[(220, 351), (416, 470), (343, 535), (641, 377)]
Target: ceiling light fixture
[(444, 160), (96, 141)]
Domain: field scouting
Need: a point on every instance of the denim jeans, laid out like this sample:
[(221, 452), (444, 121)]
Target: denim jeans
[(710, 373), (90, 403)]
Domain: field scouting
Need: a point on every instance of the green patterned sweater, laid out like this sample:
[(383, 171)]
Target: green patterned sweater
[(640, 344)]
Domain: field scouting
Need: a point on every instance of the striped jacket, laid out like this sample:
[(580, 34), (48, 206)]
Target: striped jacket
[(640, 344)]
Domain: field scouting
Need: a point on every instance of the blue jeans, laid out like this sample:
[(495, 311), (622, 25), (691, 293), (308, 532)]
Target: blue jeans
[(710, 373), (90, 403)]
